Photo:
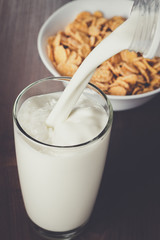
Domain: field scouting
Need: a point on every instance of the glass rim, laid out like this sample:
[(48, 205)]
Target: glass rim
[(62, 78)]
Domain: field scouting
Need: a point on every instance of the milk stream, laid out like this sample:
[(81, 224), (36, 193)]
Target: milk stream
[(117, 41)]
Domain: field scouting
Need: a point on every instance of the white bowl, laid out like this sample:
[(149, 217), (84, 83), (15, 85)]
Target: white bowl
[(66, 14)]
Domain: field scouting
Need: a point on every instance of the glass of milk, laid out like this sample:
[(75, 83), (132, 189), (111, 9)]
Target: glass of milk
[(60, 182)]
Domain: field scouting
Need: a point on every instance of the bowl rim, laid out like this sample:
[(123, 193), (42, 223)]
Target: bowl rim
[(136, 96)]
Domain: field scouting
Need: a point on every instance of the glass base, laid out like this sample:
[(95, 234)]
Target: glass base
[(58, 235)]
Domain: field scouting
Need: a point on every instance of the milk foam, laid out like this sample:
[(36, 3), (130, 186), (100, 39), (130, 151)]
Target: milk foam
[(85, 122)]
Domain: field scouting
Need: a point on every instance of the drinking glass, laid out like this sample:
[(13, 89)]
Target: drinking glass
[(60, 184)]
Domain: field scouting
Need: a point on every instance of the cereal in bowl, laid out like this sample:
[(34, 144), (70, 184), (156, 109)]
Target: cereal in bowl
[(126, 73)]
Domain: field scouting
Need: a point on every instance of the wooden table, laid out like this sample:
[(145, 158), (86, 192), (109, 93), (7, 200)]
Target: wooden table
[(128, 204)]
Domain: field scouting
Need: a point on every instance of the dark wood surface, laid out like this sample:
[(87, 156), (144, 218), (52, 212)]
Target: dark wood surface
[(128, 204)]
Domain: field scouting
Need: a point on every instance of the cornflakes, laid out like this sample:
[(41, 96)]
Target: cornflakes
[(126, 73)]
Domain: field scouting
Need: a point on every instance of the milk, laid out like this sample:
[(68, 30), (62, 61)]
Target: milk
[(60, 184)]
